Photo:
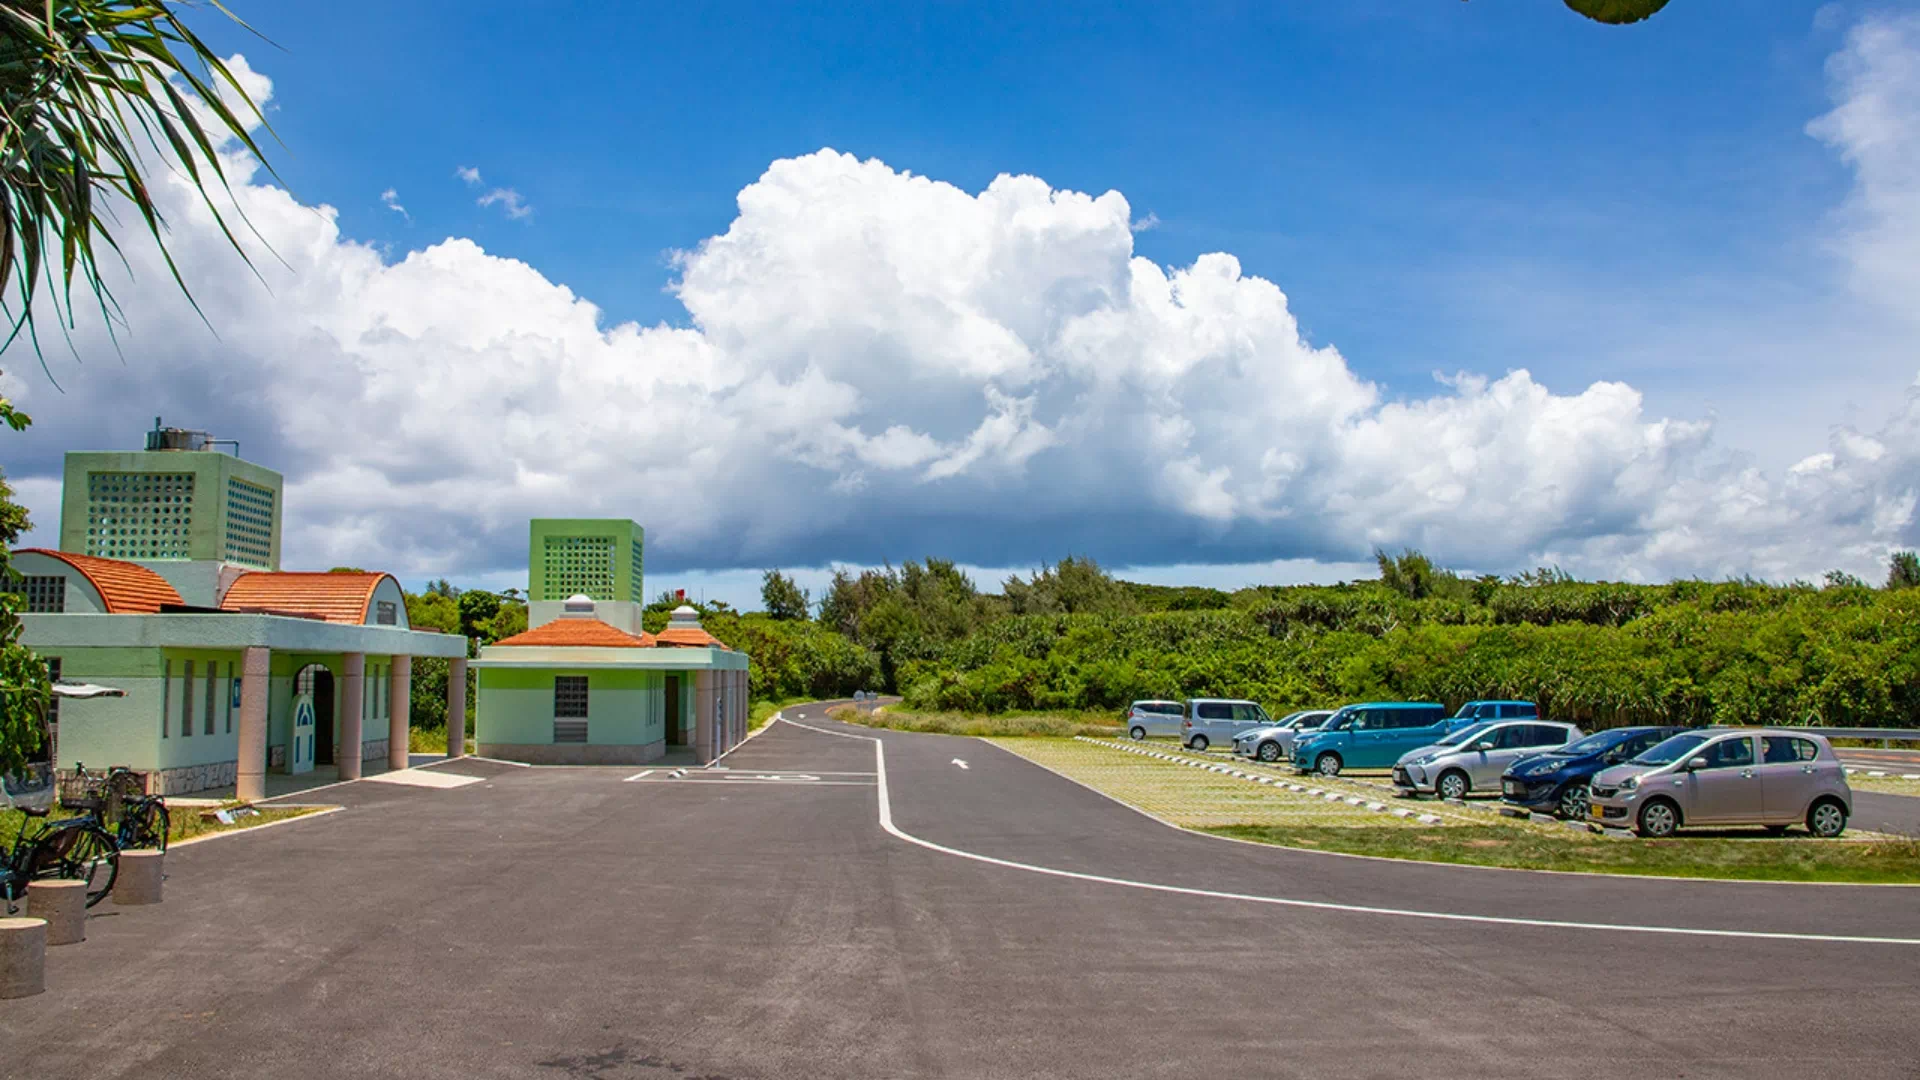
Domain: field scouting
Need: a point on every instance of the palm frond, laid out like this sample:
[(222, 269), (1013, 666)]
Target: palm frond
[(94, 93)]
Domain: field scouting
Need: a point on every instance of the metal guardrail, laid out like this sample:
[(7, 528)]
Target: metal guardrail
[(1865, 734)]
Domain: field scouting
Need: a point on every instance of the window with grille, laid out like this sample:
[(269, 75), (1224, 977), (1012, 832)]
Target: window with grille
[(139, 515), (45, 592), (249, 523), (570, 697), (212, 674), (186, 701)]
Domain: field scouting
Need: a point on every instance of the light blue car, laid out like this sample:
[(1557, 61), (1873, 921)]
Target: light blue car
[(1370, 735)]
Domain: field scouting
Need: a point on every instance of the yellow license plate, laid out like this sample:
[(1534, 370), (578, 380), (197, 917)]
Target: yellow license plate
[(1596, 813)]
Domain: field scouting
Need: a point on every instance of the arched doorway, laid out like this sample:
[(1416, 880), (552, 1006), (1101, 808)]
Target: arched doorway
[(312, 739)]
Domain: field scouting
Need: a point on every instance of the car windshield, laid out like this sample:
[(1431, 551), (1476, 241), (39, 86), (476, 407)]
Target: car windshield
[(1337, 721), (1671, 751), (1467, 711), (1592, 744), (1463, 735)]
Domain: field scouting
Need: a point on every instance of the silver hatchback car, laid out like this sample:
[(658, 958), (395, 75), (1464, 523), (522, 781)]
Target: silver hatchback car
[(1718, 776), (1273, 743), (1474, 763), (1146, 718)]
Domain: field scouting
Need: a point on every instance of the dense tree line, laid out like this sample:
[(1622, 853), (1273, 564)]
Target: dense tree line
[(1601, 653)]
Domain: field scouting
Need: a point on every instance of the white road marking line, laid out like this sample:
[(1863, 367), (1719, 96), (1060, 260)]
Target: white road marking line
[(960, 763), (637, 776), (886, 823)]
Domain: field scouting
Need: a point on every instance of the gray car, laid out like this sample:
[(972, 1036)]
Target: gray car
[(1475, 762), (1274, 743), (1218, 720), (1718, 776), (1146, 718)]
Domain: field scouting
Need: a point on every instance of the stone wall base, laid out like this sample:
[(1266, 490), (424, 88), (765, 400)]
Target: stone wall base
[(191, 778), (373, 750), (574, 753)]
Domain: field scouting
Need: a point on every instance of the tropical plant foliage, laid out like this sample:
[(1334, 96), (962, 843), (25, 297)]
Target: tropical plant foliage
[(93, 95), (25, 690)]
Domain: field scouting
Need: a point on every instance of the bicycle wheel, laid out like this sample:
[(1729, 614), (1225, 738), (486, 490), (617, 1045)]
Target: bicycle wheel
[(145, 825), (78, 853)]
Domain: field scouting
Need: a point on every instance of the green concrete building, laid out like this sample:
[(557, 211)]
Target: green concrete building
[(167, 585), (177, 500), (586, 684), (599, 558)]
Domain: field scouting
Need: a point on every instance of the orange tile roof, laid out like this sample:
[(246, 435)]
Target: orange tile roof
[(337, 598), (690, 637), (587, 633), (126, 588)]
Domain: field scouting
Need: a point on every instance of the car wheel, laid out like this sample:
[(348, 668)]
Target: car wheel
[(1269, 752), (1451, 785), (1659, 818), (1327, 764), (1827, 819), (1199, 743), (1138, 733), (1574, 803)]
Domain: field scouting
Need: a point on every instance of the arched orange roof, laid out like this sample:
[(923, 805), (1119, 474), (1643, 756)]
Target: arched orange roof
[(126, 588), (337, 598), (585, 633)]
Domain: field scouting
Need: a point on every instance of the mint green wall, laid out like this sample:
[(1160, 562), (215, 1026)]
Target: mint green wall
[(627, 539), (177, 749), (624, 708)]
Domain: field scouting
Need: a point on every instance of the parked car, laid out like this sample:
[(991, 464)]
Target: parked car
[(1493, 710), (1475, 763), (1556, 782), (1727, 777), (1368, 735), (1272, 743), (1146, 718), (1218, 720)]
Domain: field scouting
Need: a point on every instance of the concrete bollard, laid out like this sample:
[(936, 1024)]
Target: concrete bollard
[(64, 905), (139, 880), (23, 957)]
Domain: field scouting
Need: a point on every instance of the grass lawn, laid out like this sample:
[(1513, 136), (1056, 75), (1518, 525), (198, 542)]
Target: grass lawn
[(1196, 798), (1890, 784), (1056, 725), (1752, 857), (183, 822), (431, 740)]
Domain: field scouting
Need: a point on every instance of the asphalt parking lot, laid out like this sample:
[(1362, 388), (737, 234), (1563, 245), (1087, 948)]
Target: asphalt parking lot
[(760, 922)]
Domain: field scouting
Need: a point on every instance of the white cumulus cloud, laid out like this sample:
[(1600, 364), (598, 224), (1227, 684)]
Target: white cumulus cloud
[(878, 364)]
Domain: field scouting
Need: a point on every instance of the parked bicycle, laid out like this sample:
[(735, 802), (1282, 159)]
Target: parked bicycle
[(76, 848), (119, 802)]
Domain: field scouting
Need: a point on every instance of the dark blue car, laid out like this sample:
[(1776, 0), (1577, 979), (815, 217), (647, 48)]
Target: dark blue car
[(1556, 782)]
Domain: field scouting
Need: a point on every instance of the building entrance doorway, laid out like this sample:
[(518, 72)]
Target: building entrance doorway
[(673, 711), (312, 740)]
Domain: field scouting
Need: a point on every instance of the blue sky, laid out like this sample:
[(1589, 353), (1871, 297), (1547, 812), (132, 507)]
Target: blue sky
[(1368, 155), (1438, 188)]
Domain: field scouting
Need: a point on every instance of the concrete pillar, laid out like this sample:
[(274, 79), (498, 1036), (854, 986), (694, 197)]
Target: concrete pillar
[(250, 778), (457, 707), (63, 903), (23, 957), (399, 710), (703, 740), (353, 706), (138, 881)]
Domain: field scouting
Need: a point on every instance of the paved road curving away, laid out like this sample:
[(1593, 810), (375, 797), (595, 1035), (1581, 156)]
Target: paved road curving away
[(760, 923)]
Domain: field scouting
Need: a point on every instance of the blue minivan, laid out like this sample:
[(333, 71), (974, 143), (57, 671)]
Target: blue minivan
[(1475, 711), (1370, 735)]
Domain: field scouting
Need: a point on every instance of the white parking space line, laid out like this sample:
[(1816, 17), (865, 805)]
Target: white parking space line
[(638, 776), (886, 823)]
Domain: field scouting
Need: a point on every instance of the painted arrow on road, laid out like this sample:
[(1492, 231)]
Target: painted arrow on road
[(960, 763)]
